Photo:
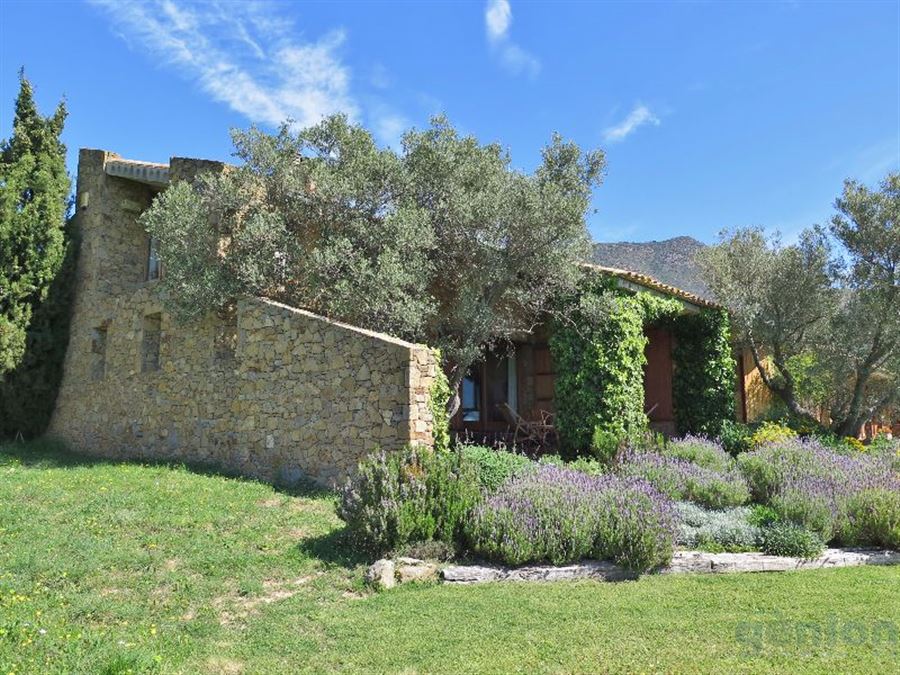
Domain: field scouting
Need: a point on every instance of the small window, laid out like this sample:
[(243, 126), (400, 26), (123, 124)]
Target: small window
[(152, 336), (98, 353), (153, 265)]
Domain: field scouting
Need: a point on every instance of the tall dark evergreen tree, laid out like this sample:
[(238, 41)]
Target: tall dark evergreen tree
[(34, 245)]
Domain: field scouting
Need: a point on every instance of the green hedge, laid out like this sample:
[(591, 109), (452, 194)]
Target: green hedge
[(704, 380)]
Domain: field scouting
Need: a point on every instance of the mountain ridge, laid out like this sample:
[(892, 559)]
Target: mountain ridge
[(672, 261)]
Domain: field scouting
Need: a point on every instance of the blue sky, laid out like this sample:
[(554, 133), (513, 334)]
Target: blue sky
[(712, 115)]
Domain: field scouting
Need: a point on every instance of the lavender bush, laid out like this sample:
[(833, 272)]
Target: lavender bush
[(873, 517), (683, 480), (406, 496), (561, 516), (700, 451), (813, 486)]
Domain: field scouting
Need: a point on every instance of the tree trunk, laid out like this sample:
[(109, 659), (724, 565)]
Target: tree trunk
[(851, 423), (785, 393), (454, 380)]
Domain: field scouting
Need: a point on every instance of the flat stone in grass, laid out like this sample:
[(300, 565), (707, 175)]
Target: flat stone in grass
[(683, 562), (385, 573), (718, 563), (586, 569)]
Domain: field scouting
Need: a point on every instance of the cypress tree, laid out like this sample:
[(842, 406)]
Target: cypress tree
[(34, 245)]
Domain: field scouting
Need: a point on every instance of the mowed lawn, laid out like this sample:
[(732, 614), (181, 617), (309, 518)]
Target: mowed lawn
[(114, 568)]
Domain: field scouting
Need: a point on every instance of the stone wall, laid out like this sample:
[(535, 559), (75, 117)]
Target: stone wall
[(272, 391)]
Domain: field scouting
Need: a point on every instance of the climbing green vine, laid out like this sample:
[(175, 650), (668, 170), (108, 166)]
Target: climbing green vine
[(599, 353), (704, 382), (437, 404), (599, 357)]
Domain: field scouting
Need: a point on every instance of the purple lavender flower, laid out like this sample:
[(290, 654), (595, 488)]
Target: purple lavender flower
[(561, 515), (812, 485)]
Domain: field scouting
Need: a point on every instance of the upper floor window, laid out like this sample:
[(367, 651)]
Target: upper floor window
[(153, 265)]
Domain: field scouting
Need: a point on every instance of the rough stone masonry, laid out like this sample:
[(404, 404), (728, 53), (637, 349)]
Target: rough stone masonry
[(272, 392)]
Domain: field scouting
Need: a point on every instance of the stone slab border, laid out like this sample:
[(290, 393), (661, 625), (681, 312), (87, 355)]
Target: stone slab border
[(683, 562)]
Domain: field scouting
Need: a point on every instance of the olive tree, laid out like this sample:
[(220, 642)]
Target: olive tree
[(443, 243), (780, 298), (863, 354), (824, 313), (506, 243)]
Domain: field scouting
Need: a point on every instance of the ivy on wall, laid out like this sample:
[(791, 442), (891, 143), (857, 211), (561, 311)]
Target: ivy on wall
[(438, 397), (599, 352), (599, 357), (704, 381)]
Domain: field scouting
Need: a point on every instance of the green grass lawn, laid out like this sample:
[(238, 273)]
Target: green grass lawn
[(109, 568)]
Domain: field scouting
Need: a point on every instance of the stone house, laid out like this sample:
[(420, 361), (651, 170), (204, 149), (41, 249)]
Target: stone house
[(272, 391)]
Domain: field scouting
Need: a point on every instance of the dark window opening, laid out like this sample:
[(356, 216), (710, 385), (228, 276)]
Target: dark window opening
[(497, 390)]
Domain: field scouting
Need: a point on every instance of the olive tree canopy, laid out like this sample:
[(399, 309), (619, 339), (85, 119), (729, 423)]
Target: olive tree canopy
[(825, 311), (444, 242)]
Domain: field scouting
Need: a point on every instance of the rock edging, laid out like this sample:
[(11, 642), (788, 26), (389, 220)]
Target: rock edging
[(683, 562), (386, 573)]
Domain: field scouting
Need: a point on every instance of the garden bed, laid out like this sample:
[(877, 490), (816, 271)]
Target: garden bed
[(683, 562)]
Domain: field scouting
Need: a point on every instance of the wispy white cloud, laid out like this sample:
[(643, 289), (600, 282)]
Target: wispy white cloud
[(497, 20), (245, 55), (388, 125), (638, 117), (497, 17)]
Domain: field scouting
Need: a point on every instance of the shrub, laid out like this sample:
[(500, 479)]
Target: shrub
[(788, 539), (873, 519), (605, 445), (413, 494), (762, 515), (492, 466), (771, 432), (888, 450), (591, 467), (854, 443), (426, 550), (729, 530), (685, 481), (811, 485), (842, 444), (700, 451), (561, 515), (734, 437)]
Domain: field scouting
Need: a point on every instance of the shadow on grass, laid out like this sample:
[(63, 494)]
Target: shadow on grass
[(335, 549), (49, 453)]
